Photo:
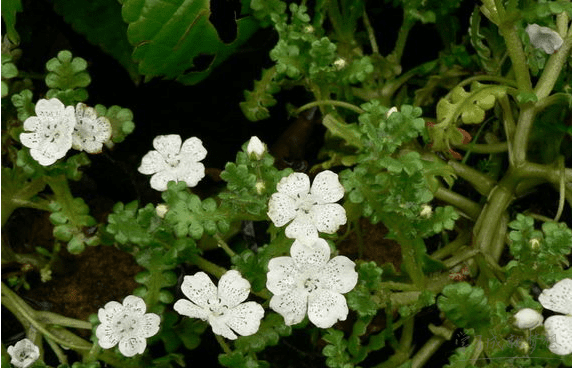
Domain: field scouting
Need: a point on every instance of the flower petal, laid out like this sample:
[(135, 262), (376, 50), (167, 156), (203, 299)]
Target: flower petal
[(199, 289), (338, 275), (559, 297), (282, 275), (281, 209), (191, 173), (327, 188), (151, 163), (159, 180), (245, 318), (135, 305), (328, 217), (233, 289), (132, 346), (310, 257), (167, 144), (292, 305), (149, 324), (32, 124), (294, 185), (559, 332), (193, 149), (302, 229), (326, 307), (107, 335), (218, 324), (31, 140), (544, 38), (109, 311), (186, 308)]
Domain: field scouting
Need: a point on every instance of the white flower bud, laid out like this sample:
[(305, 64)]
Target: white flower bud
[(255, 147), (309, 29), (527, 318), (340, 63), (260, 186), (534, 243), (161, 210), (544, 38), (426, 210)]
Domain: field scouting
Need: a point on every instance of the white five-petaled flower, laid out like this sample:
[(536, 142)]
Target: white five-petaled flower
[(126, 324), (24, 353), (544, 38), (309, 281), (527, 318), (173, 161), (255, 147), (90, 132), (49, 135), (310, 209), (222, 307), (559, 328)]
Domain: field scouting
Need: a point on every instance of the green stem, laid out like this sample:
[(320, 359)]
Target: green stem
[(481, 182), (406, 26), (484, 148), (462, 239), (222, 244), (426, 351), (370, 33), (468, 207), (516, 54), (223, 344), (346, 105), (22, 197), (208, 266)]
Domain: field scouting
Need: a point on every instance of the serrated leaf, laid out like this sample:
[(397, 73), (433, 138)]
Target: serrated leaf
[(101, 23), (121, 120), (168, 35), (465, 305)]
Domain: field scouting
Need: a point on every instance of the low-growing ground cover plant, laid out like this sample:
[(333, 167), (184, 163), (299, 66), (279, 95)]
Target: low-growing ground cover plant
[(416, 212)]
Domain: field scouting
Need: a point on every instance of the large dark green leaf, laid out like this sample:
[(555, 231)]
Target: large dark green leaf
[(169, 35)]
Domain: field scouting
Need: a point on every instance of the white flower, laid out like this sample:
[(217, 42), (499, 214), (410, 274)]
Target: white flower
[(311, 209), (559, 328), (255, 147), (222, 307), (171, 161), (51, 131), (544, 38), (24, 353), (90, 132), (311, 281), (528, 318), (126, 324)]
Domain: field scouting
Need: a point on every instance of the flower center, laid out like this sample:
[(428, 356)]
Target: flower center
[(127, 325), (311, 284), (216, 308), (172, 160), (305, 202)]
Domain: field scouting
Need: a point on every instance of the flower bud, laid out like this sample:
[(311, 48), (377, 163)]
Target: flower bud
[(340, 63), (161, 210), (260, 186), (534, 243), (527, 318), (255, 147), (426, 210), (390, 111)]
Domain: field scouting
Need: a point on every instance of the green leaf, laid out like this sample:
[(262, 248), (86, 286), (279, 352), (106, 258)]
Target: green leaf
[(9, 10), (67, 78), (168, 35), (23, 103), (237, 359), (363, 298), (256, 102), (336, 350), (465, 305), (70, 217), (126, 225), (101, 23)]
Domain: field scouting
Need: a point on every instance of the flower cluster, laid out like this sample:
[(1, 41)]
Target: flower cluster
[(558, 328), (57, 128), (126, 324), (24, 353)]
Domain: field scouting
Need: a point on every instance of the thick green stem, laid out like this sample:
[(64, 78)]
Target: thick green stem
[(208, 266), (553, 68), (343, 104), (469, 208), (481, 182), (517, 56)]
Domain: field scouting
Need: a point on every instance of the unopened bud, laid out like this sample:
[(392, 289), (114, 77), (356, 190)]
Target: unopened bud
[(260, 186), (534, 243), (255, 148), (426, 211), (340, 63), (161, 210), (527, 318), (390, 111)]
